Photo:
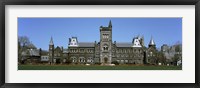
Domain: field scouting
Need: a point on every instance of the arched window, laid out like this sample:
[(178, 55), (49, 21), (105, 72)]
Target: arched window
[(73, 59), (105, 47), (151, 53), (89, 60), (81, 59)]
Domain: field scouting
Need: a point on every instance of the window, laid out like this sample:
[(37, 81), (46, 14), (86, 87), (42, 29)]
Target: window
[(81, 50), (90, 50), (122, 61), (73, 59), (105, 36), (113, 50), (71, 50), (105, 48)]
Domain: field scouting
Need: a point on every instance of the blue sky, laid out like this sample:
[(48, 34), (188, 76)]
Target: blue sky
[(39, 30)]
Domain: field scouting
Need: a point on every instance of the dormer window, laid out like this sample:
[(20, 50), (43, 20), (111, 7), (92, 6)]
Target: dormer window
[(136, 43), (73, 42)]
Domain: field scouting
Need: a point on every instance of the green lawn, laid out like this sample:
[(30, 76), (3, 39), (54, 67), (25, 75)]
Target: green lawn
[(96, 67)]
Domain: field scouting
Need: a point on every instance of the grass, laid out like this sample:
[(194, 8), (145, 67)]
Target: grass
[(96, 67)]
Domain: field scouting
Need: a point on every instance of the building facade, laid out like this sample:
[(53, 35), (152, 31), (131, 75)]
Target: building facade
[(105, 51)]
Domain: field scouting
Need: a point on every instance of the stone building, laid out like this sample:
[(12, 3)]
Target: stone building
[(105, 51), (172, 53)]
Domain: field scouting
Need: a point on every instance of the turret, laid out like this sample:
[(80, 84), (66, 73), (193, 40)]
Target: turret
[(110, 24), (142, 40), (152, 43), (152, 52), (115, 42), (51, 41)]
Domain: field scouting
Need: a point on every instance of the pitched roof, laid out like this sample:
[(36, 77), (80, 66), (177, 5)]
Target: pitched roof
[(51, 41), (65, 50), (152, 42), (34, 52), (124, 44), (110, 24), (85, 44), (31, 52)]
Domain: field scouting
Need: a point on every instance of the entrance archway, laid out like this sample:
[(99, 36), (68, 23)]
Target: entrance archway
[(105, 60)]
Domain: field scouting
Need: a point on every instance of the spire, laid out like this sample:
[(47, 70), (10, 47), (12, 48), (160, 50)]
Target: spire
[(110, 24), (152, 41), (51, 41)]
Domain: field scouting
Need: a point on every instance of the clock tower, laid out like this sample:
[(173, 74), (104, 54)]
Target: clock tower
[(51, 51)]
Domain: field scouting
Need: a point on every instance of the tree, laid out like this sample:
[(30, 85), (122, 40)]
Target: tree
[(175, 59), (178, 54), (23, 45), (178, 48), (160, 57), (23, 41), (68, 61)]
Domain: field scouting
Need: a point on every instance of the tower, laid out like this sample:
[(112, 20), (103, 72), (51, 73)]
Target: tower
[(110, 24), (51, 51), (152, 52), (106, 44)]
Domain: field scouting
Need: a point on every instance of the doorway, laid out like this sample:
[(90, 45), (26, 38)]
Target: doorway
[(105, 60)]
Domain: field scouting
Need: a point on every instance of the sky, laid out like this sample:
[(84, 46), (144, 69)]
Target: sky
[(39, 30)]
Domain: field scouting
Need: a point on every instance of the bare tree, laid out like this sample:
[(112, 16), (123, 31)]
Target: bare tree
[(23, 41), (23, 45)]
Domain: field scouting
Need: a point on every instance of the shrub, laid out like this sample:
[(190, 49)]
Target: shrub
[(97, 63), (58, 61), (68, 61), (115, 62)]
